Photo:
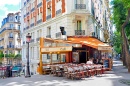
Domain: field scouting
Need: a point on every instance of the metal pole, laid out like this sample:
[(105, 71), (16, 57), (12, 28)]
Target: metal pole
[(28, 67)]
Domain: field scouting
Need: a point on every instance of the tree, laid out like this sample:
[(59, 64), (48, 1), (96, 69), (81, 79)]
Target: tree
[(118, 17), (121, 13)]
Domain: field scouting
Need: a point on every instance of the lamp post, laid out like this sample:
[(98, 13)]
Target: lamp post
[(28, 39)]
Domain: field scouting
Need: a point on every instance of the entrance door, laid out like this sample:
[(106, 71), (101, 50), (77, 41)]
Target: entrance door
[(82, 57)]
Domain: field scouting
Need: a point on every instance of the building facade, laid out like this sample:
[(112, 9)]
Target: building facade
[(43, 18), (10, 40)]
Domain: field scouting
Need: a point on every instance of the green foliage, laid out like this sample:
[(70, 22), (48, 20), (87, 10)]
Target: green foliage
[(18, 56), (117, 42), (120, 8)]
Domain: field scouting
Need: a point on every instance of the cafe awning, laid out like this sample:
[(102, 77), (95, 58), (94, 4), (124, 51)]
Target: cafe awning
[(91, 42)]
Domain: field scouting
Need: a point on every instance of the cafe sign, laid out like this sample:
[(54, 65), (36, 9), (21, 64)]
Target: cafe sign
[(104, 48), (56, 49)]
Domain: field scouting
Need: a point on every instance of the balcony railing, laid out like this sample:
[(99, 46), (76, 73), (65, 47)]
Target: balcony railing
[(32, 40), (27, 27), (37, 39), (27, 14), (32, 9), (39, 21), (10, 46), (58, 11), (32, 25), (1, 47), (48, 17), (18, 46), (40, 4), (58, 34), (10, 37), (48, 36), (79, 32), (80, 6)]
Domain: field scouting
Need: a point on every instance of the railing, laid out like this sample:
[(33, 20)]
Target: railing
[(40, 4), (1, 39), (48, 36), (32, 9), (58, 11), (18, 46), (11, 37), (27, 27), (58, 34), (10, 46), (48, 17), (79, 32), (39, 21), (24, 3), (37, 39), (32, 25), (1, 47), (27, 14), (80, 6), (32, 40)]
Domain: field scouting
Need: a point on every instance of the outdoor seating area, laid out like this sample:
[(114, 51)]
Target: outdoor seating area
[(74, 71)]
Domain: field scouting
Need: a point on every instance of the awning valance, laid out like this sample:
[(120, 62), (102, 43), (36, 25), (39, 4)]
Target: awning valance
[(91, 42)]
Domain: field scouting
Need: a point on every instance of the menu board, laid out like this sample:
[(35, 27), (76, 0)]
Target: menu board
[(106, 63), (75, 56)]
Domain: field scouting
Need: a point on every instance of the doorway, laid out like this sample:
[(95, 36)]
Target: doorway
[(82, 57)]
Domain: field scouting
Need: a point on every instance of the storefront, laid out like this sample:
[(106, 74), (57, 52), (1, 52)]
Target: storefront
[(74, 50)]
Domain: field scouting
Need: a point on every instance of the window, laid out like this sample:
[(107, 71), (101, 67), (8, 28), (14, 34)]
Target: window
[(10, 34), (49, 31), (11, 26), (48, 56), (79, 27), (11, 18), (19, 27)]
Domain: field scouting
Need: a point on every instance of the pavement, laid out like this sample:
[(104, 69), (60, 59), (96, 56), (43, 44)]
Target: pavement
[(117, 77)]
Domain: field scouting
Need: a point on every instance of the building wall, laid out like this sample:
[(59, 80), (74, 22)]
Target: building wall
[(40, 15), (10, 40)]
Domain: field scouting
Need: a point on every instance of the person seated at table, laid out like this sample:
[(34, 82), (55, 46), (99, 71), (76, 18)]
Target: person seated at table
[(100, 61), (90, 61), (95, 61)]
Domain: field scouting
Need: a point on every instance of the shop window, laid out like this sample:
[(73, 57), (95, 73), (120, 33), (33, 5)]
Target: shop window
[(48, 56)]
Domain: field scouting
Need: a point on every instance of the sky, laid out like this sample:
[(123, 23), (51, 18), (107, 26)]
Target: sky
[(8, 6)]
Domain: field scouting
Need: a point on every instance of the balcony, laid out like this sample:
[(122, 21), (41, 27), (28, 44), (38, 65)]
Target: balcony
[(10, 46), (27, 27), (80, 6), (58, 35), (48, 17), (58, 11), (37, 39), (32, 40), (32, 9), (1, 47), (39, 21), (48, 36), (2, 39), (18, 47), (79, 32), (39, 5), (32, 25), (10, 37)]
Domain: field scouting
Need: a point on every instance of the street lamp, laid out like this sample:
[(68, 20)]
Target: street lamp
[(28, 39)]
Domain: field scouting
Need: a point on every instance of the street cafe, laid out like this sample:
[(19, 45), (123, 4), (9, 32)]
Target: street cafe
[(54, 51)]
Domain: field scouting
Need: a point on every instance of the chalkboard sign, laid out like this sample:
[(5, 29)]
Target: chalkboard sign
[(106, 63)]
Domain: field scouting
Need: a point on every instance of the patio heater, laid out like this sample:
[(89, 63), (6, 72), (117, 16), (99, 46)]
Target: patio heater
[(28, 39)]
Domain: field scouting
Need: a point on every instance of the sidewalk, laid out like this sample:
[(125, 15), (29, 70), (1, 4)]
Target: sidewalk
[(117, 77)]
